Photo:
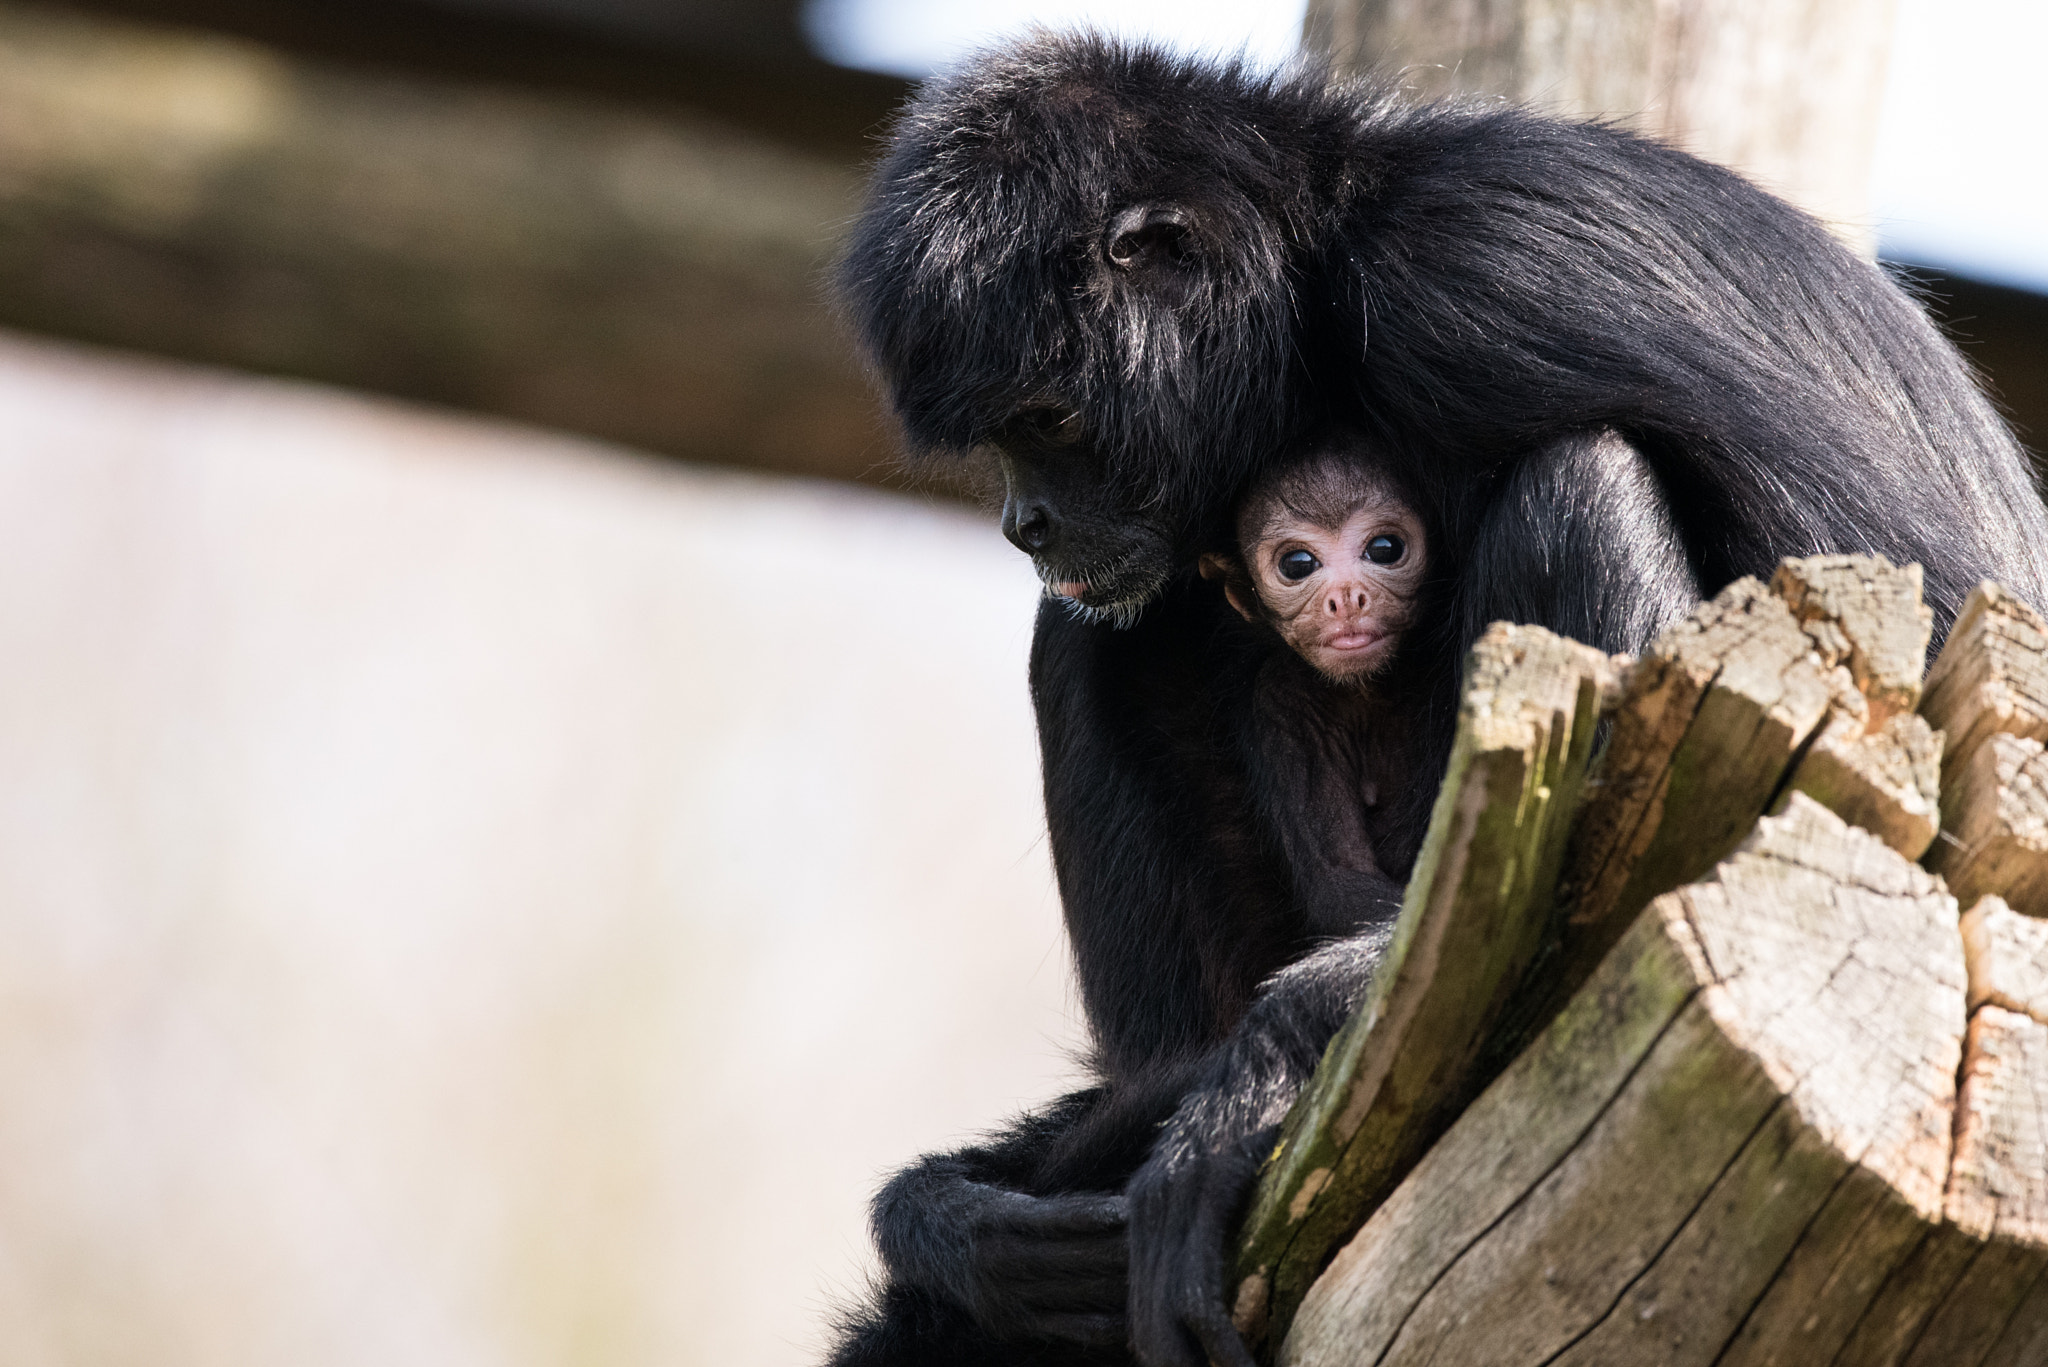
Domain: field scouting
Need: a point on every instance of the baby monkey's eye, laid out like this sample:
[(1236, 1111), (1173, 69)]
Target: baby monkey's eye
[(1298, 565), (1385, 550)]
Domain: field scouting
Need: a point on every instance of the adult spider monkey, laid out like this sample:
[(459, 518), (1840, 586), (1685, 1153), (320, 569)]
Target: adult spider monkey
[(1613, 377)]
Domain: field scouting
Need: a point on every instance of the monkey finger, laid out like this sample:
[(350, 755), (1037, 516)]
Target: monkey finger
[(1219, 1339), (1074, 1276), (1080, 1214), (1036, 1304), (1019, 1257)]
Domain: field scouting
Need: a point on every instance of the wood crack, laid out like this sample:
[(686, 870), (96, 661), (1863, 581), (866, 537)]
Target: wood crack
[(1651, 1265), (1493, 1224), (1785, 1103)]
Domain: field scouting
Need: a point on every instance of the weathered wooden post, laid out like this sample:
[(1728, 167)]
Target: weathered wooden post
[(1786, 93), (1775, 1100)]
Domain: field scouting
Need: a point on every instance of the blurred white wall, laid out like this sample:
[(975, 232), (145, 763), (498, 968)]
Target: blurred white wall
[(472, 897)]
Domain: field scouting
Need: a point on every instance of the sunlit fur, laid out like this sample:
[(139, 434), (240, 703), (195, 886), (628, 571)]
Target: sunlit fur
[(971, 287), (1614, 377), (1465, 280)]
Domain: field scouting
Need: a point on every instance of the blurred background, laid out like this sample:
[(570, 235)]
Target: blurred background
[(513, 816)]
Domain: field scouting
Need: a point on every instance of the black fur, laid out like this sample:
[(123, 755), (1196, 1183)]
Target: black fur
[(1617, 377), (1580, 536)]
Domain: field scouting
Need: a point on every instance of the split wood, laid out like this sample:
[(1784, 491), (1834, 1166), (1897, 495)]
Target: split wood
[(1788, 1142)]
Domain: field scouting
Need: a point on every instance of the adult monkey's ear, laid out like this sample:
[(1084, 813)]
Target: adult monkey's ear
[(1152, 242), (1237, 585)]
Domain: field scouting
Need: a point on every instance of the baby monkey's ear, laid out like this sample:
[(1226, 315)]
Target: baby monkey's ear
[(1237, 585)]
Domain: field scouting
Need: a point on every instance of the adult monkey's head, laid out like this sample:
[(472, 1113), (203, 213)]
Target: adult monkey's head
[(1082, 260)]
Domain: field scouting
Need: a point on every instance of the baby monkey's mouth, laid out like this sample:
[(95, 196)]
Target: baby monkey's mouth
[(1357, 638)]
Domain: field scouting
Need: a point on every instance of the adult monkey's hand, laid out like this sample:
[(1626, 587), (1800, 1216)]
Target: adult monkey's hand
[(1046, 1267), (1185, 1206), (1187, 1201), (1022, 1265)]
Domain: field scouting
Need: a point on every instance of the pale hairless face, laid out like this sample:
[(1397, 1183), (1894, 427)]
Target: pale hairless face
[(1340, 594)]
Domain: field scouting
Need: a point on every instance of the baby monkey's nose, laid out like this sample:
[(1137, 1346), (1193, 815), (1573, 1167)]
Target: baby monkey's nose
[(1347, 599)]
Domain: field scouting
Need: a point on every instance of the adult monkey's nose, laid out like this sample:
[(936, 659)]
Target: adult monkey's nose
[(1029, 526)]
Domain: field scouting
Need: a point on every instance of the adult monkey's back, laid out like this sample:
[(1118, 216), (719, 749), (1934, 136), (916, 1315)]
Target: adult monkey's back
[(1132, 279)]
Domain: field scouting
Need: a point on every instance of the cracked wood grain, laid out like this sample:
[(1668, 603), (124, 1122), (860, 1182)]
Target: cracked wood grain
[(1864, 613), (1808, 687), (1991, 677), (2007, 954), (1708, 722), (1822, 1292), (1914, 1292), (1480, 1170), (1874, 762), (1780, 1134), (2024, 1340), (1994, 839), (1887, 780), (1998, 1185), (1978, 1308)]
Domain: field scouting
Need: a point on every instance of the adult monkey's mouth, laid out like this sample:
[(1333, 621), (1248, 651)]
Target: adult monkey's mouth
[(1113, 593)]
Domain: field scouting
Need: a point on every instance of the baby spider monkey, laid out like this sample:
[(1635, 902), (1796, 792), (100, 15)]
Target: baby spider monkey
[(1332, 556), (1332, 560)]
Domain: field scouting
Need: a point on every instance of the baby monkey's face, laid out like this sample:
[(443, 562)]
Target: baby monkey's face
[(1341, 596)]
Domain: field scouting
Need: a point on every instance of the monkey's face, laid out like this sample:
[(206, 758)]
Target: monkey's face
[(1103, 552), (1341, 596), (1118, 326), (1105, 492)]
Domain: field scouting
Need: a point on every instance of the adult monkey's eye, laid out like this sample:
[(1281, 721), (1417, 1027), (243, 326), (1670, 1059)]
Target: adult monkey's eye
[(1298, 565), (1052, 424), (1385, 550)]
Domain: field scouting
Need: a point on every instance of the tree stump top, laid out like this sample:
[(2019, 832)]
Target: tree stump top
[(1788, 1106)]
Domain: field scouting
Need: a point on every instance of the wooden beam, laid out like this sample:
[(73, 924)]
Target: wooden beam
[(652, 279), (734, 79)]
